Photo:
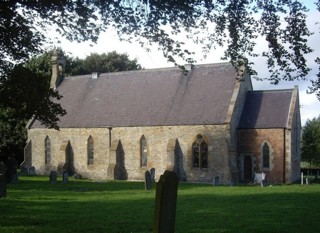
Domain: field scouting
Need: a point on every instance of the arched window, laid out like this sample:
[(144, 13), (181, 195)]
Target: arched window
[(47, 150), (265, 156), (143, 151), (90, 148), (200, 153)]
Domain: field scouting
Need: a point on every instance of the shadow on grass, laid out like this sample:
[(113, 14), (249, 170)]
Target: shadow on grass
[(84, 206)]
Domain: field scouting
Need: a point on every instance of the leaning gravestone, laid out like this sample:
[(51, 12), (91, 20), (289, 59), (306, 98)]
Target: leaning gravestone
[(53, 177), (166, 201), (3, 180), (147, 180), (65, 177)]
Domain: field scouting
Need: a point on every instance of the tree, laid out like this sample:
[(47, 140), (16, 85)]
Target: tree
[(102, 63), (110, 62), (24, 95), (234, 24), (311, 142)]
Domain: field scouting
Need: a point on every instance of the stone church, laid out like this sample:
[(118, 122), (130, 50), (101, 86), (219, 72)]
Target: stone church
[(206, 124)]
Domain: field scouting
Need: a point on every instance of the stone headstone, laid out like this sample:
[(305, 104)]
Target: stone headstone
[(32, 171), (53, 177), (3, 168), (3, 180), (166, 201), (147, 181), (14, 174), (216, 181), (65, 177), (153, 174)]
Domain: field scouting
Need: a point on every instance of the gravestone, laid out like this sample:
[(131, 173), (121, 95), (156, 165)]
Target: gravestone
[(53, 177), (3, 180), (14, 174), (147, 181), (153, 174), (216, 181), (65, 177), (32, 171), (166, 201)]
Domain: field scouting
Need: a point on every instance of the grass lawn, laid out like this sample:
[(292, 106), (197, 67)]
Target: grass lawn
[(34, 205)]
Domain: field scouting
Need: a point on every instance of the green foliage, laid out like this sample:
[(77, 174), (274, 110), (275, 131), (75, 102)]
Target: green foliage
[(233, 24), (34, 205), (103, 63), (315, 87), (311, 142), (13, 133), (24, 95), (28, 94)]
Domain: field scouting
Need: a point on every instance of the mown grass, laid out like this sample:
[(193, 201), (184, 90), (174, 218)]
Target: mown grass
[(34, 205)]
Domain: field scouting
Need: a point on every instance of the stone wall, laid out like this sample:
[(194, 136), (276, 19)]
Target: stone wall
[(161, 149), (251, 141), (283, 168), (234, 112), (295, 138)]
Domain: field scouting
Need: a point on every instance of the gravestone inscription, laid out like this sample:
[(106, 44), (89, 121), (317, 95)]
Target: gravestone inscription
[(166, 201)]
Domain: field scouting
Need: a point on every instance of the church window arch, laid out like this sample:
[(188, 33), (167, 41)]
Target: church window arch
[(200, 153), (47, 150), (90, 148), (143, 151), (266, 155)]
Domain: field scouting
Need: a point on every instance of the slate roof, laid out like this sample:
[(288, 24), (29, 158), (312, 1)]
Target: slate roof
[(156, 97), (266, 109)]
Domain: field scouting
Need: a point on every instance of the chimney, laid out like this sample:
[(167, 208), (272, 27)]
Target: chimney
[(94, 75), (58, 64), (188, 67)]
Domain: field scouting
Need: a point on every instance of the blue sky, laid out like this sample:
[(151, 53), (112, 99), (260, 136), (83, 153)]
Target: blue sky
[(108, 41)]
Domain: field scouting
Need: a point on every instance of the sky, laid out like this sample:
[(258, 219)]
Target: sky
[(109, 41)]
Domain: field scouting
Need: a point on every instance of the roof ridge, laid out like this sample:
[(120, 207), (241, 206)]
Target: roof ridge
[(274, 90), (147, 70)]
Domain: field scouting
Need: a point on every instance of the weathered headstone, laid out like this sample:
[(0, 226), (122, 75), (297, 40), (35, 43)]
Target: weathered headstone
[(166, 201), (216, 181), (65, 177), (32, 171), (3, 180), (14, 174), (53, 177), (153, 174), (301, 178), (147, 181)]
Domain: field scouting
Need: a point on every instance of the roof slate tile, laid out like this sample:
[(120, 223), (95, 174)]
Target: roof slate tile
[(155, 97)]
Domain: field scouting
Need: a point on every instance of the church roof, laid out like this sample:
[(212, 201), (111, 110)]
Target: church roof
[(155, 97), (266, 109)]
